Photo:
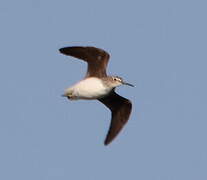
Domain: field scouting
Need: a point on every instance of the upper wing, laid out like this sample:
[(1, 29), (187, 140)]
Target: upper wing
[(97, 59), (121, 109)]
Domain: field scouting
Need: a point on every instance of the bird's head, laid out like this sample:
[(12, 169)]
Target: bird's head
[(117, 81)]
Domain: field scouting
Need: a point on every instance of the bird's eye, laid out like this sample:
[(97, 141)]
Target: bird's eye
[(116, 79)]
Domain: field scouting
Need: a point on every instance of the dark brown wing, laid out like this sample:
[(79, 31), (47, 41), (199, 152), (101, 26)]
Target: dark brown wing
[(97, 59), (121, 109)]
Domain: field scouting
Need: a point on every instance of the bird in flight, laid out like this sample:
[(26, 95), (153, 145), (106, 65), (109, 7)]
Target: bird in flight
[(98, 85)]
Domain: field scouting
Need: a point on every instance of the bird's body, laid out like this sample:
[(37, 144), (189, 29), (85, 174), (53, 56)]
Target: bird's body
[(97, 85), (89, 88)]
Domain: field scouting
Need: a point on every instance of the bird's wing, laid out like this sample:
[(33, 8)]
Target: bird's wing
[(120, 108), (97, 59)]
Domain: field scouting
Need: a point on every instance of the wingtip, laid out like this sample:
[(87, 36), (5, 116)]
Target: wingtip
[(61, 50), (68, 50), (107, 141)]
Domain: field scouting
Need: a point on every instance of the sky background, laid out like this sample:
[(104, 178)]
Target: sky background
[(160, 46)]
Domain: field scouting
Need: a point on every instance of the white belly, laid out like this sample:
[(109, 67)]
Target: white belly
[(90, 88)]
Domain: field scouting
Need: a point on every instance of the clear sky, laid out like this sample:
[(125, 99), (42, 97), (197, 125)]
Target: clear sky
[(160, 46)]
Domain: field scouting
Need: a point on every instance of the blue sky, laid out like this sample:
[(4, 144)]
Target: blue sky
[(160, 46)]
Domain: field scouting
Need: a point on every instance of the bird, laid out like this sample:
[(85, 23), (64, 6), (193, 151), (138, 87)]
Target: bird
[(97, 85)]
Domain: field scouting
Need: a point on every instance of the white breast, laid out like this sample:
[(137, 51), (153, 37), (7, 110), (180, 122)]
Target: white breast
[(90, 88)]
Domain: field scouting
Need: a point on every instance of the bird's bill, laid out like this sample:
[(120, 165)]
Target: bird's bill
[(128, 84)]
